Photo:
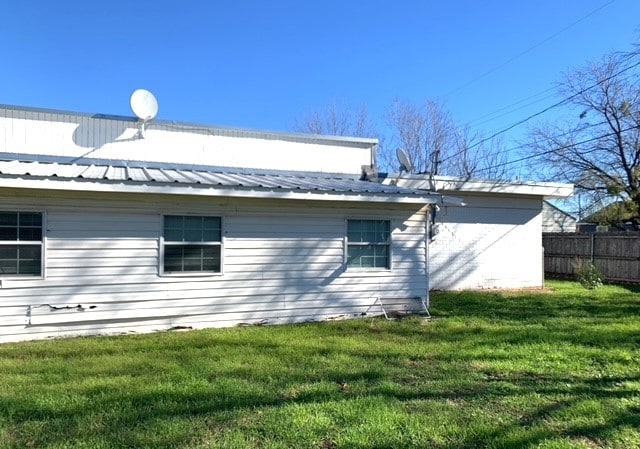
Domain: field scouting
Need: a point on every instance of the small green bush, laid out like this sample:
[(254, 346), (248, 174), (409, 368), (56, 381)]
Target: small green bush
[(588, 275)]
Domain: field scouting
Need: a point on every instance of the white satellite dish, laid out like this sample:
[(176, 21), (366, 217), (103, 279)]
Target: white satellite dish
[(405, 163), (144, 105)]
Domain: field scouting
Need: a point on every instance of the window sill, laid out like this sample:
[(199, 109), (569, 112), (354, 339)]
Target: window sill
[(191, 275), (367, 270)]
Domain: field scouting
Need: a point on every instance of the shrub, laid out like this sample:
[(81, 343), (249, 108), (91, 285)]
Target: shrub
[(588, 275)]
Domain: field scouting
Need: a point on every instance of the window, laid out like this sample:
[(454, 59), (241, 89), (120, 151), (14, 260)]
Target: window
[(192, 244), (368, 244), (21, 243)]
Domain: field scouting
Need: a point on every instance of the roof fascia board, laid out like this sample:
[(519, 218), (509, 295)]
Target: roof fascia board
[(447, 184), (212, 191)]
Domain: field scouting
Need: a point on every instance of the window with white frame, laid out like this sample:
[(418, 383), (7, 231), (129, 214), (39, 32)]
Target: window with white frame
[(20, 243), (191, 244), (368, 244)]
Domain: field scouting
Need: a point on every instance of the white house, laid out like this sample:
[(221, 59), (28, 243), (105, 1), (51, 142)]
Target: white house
[(106, 230), (495, 240)]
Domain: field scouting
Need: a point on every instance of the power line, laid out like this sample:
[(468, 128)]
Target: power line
[(553, 150), (528, 50), (548, 138), (509, 108), (547, 109)]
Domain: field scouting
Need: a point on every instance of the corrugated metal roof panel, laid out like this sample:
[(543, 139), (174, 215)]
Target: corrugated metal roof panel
[(286, 181)]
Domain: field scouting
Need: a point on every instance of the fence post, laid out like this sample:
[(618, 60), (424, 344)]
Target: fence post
[(593, 245)]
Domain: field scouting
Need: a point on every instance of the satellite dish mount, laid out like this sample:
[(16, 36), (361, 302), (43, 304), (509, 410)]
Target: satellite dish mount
[(403, 159), (145, 106), (405, 163)]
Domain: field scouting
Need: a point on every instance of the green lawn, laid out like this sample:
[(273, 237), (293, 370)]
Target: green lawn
[(495, 370)]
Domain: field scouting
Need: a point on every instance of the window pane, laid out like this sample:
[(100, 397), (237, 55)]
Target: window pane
[(212, 235), (192, 229), (173, 226), (29, 260), (30, 234), (8, 266), (9, 259), (7, 233), (366, 257), (29, 252), (173, 221), (211, 261), (16, 259), (369, 225), (173, 235), (367, 261), (8, 251), (193, 222), (8, 219), (193, 235), (376, 236), (21, 259), (211, 222), (31, 267), (353, 256), (368, 231), (192, 258), (369, 236), (30, 219), (381, 258), (172, 259), (354, 225)]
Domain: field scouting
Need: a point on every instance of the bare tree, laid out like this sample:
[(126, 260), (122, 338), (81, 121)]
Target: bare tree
[(599, 148), (475, 157), (426, 134), (337, 120), (436, 145)]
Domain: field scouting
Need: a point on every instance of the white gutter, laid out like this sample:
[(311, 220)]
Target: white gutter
[(79, 185)]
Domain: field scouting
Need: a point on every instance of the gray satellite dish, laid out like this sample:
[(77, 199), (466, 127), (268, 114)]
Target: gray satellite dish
[(145, 106), (405, 163)]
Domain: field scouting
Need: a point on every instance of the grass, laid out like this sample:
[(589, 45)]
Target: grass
[(494, 370)]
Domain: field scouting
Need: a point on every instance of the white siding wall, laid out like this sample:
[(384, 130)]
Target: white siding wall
[(283, 262), (555, 220), (492, 242), (74, 135)]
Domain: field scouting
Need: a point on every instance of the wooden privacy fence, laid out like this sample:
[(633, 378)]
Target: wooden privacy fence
[(617, 256)]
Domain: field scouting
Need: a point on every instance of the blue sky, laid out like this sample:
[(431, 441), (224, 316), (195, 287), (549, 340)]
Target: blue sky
[(261, 64)]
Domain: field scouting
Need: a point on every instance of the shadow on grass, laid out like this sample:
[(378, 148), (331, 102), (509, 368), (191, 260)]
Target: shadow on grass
[(176, 390), (137, 413)]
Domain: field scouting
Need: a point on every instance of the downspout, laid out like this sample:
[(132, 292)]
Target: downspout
[(427, 220)]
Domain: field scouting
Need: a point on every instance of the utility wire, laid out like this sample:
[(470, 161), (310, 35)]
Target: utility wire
[(509, 109), (548, 138), (547, 109), (528, 50), (554, 150)]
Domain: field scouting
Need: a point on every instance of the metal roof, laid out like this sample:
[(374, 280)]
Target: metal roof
[(140, 174)]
